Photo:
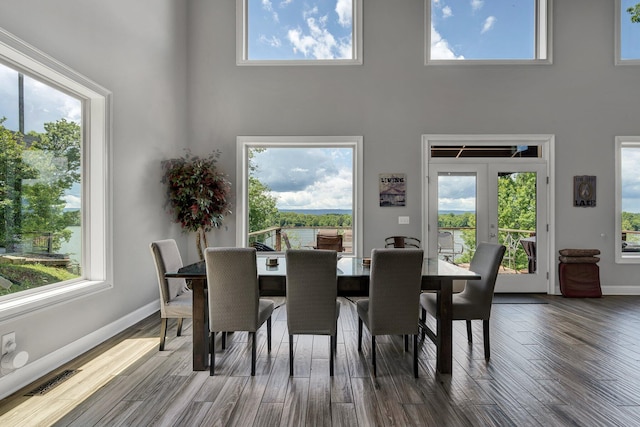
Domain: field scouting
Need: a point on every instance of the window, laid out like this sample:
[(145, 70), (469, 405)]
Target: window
[(627, 236), (496, 31), (627, 31), (290, 189), (53, 181), (316, 32)]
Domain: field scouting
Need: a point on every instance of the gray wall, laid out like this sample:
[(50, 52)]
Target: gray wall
[(392, 99), (137, 50), (171, 68)]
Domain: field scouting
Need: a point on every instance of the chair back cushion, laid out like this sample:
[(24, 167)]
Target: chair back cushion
[(232, 283), (166, 256), (394, 290), (312, 286), (486, 262)]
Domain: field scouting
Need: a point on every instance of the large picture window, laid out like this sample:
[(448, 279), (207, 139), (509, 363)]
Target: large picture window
[(627, 199), (627, 31), (316, 32), (494, 31), (292, 189), (53, 181)]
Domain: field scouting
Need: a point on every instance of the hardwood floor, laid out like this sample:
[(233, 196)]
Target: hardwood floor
[(571, 362)]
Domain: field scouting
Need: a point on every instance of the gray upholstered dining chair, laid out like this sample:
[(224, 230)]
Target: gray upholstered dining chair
[(474, 302), (234, 299), (312, 288), (394, 298), (175, 297)]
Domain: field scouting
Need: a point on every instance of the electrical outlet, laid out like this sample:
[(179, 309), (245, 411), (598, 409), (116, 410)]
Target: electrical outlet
[(403, 220), (7, 339)]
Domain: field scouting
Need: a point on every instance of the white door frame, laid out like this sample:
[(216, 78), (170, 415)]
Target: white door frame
[(546, 142)]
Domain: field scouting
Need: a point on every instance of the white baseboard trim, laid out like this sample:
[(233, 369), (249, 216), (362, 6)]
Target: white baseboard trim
[(32, 371), (621, 290)]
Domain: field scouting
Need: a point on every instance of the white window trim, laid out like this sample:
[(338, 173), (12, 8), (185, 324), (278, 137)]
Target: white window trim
[(241, 42), (96, 255), (244, 143), (543, 40), (623, 257), (618, 42)]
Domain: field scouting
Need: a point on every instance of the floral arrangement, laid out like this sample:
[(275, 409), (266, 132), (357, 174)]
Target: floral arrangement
[(197, 194)]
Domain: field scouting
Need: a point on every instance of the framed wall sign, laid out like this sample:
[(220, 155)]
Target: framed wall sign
[(584, 191), (393, 189)]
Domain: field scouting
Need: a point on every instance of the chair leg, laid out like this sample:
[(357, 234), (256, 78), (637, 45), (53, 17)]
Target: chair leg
[(269, 335), (424, 320), (373, 354), (406, 343), (485, 330), (179, 332), (332, 339), (469, 334), (212, 352), (253, 353), (290, 355), (359, 334), (223, 338), (163, 332), (415, 355)]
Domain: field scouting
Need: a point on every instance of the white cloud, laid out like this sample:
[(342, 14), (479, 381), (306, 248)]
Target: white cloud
[(333, 192), (272, 41), (477, 4), (447, 12), (440, 48), (319, 43), (344, 11), (72, 202), (488, 24), (266, 5)]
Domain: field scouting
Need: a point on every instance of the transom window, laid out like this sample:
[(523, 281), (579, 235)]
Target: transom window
[(488, 31), (294, 32), (292, 189), (627, 31)]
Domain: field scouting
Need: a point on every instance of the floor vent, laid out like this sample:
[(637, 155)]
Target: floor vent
[(52, 383)]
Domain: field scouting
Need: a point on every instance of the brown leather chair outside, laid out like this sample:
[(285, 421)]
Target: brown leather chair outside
[(333, 243), (401, 242)]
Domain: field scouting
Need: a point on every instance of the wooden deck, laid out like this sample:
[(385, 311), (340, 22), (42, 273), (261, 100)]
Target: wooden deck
[(568, 362)]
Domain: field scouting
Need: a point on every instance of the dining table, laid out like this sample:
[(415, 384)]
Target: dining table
[(352, 281)]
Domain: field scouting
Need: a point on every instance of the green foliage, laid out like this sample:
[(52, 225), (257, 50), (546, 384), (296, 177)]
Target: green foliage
[(29, 276), (263, 212), (33, 180), (293, 219), (197, 193), (634, 11)]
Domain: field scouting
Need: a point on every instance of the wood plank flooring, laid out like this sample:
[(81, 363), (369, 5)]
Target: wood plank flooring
[(571, 362)]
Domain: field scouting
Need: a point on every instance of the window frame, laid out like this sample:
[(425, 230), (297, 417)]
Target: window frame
[(96, 251), (622, 257), (543, 41), (244, 143), (618, 38), (242, 42)]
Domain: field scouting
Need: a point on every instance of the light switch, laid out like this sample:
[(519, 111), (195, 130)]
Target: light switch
[(403, 220)]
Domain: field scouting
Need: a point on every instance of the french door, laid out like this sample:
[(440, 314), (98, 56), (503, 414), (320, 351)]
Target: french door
[(492, 200)]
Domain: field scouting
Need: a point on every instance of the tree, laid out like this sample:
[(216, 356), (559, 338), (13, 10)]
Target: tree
[(12, 171), (634, 11), (263, 210)]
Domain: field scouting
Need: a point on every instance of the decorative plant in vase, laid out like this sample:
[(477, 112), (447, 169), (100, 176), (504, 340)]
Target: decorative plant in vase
[(197, 194)]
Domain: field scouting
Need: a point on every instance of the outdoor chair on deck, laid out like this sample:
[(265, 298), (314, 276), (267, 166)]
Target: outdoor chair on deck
[(333, 243), (447, 247), (175, 297), (474, 303)]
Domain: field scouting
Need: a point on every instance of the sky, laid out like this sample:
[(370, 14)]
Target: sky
[(307, 178), (299, 30), (457, 193), (630, 158), (629, 32)]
